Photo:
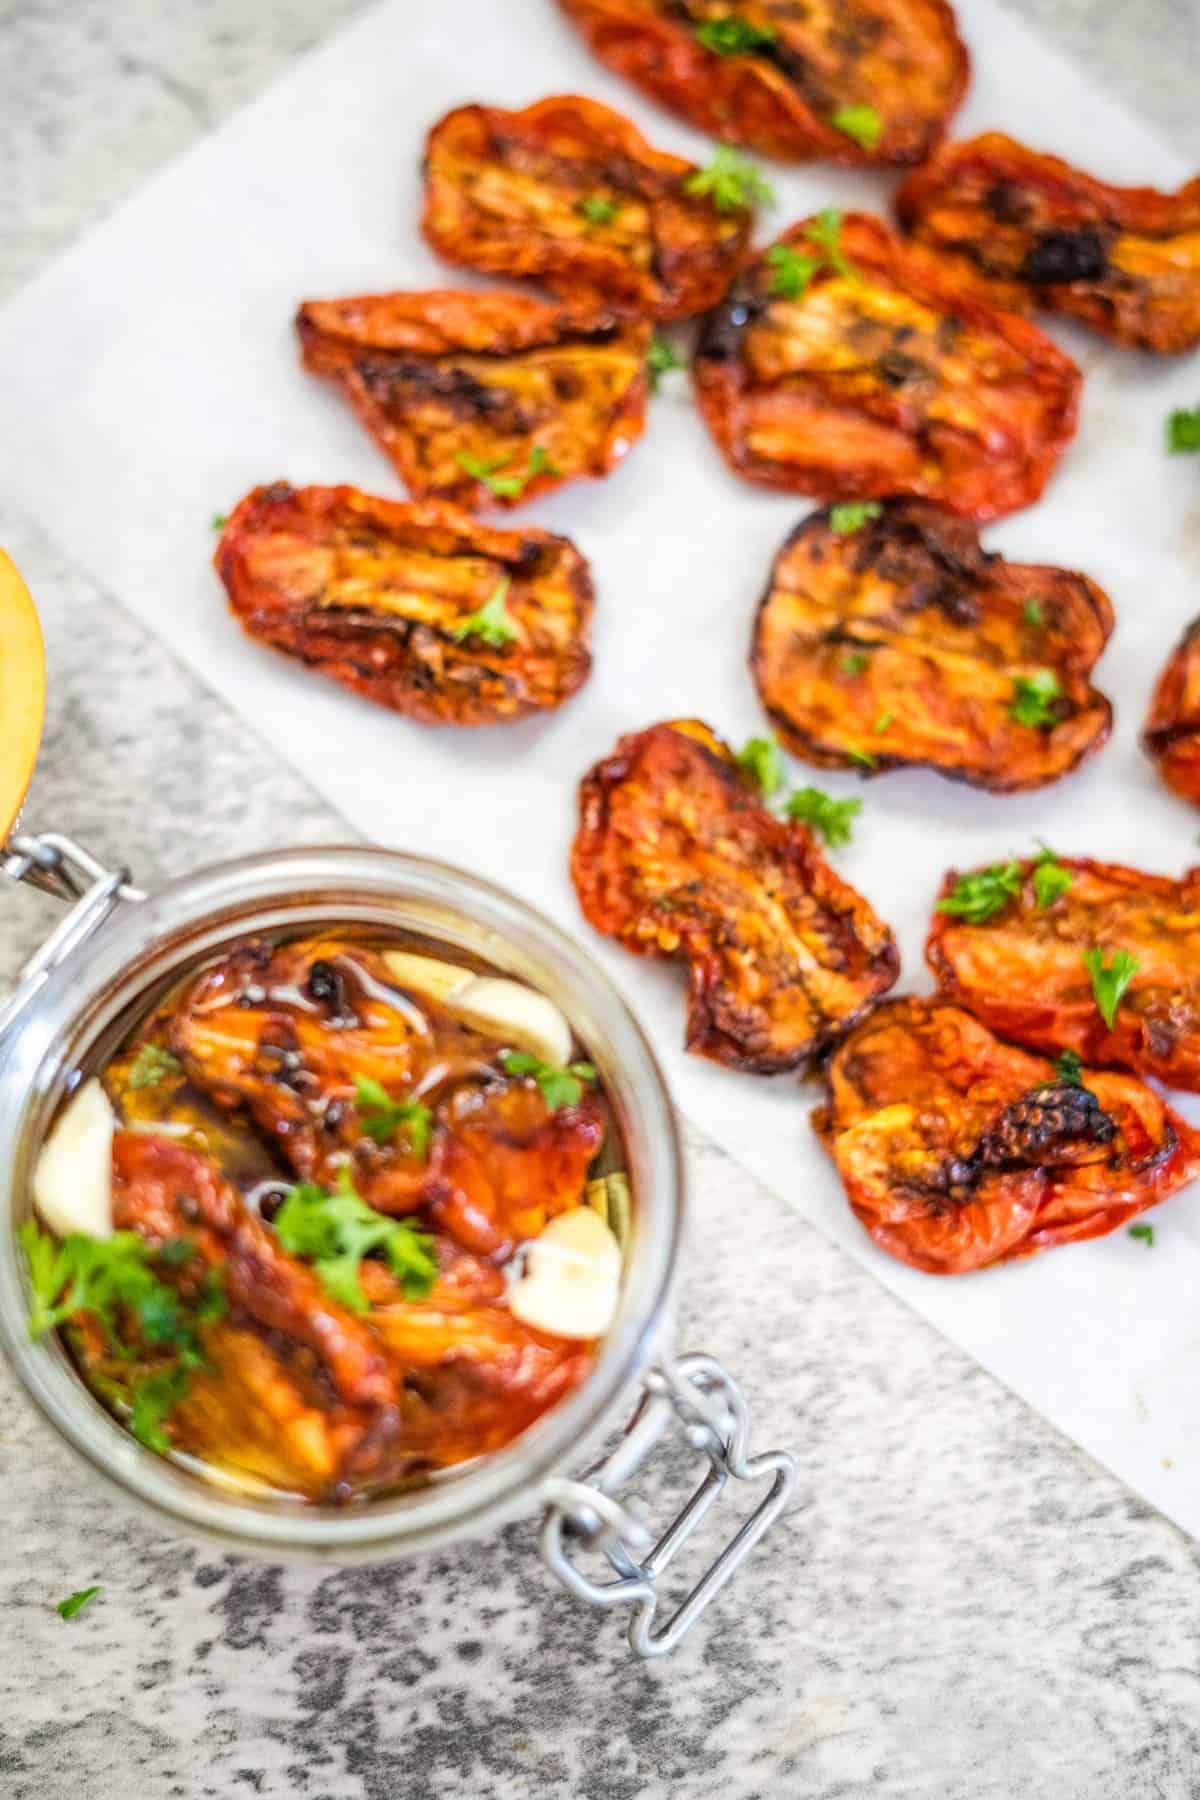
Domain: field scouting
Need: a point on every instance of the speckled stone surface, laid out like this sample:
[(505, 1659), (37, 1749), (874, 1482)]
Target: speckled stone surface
[(959, 1607)]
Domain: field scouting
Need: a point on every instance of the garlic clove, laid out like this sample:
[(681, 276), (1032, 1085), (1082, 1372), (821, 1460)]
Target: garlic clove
[(572, 1277), (440, 980), (72, 1181), (518, 1014)]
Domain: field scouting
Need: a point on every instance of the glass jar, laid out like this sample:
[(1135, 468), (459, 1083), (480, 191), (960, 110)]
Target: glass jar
[(116, 950)]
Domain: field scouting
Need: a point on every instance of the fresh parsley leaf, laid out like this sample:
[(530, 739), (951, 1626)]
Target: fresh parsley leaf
[(760, 758), (491, 624), (1033, 613), (882, 722), (382, 1117), (733, 37), (826, 230), (979, 897), (540, 464), (1050, 880), (852, 515), (1069, 1068), (1183, 430), (661, 358), (790, 272), (152, 1064), (1034, 697), (1109, 980), (559, 1087), (1145, 1232), (154, 1398), (597, 210), (830, 817), (505, 487), (862, 123), (335, 1231), (731, 181), (98, 1275), (219, 521), (855, 663), (863, 758), (75, 1603)]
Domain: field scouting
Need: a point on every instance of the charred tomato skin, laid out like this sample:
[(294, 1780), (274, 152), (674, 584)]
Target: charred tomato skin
[(1172, 734), (773, 101), (908, 621), (1022, 972), (314, 572), (1025, 230), (663, 254), (824, 395), (535, 391), (675, 856), (957, 1150)]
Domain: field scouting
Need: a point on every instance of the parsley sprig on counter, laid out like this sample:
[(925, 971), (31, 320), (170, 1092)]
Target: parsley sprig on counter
[(74, 1603), (1183, 430), (559, 1087), (829, 817), (335, 1231), (1145, 1232)]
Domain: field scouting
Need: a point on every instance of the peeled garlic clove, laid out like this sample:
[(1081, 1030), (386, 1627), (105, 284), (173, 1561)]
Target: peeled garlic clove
[(72, 1182), (518, 1014), (440, 980), (572, 1277)]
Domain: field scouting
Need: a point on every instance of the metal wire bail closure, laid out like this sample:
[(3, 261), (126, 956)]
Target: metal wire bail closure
[(698, 1396)]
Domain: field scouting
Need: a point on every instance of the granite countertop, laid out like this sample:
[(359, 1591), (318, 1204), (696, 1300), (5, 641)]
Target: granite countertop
[(960, 1606)]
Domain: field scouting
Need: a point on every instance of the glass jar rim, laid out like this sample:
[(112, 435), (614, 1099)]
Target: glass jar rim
[(192, 918)]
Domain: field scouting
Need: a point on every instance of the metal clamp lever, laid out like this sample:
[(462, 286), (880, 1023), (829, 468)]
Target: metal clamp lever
[(59, 866), (699, 1395)]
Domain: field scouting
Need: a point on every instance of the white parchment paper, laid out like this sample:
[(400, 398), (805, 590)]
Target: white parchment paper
[(150, 377)]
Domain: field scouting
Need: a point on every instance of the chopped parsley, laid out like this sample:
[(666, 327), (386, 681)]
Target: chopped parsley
[(733, 37), (979, 897), (152, 1401), (381, 1117), (882, 722), (335, 1231), (826, 230), (862, 123), (1069, 1068), (491, 624), (760, 758), (1183, 430), (855, 663), (731, 181), (152, 1064), (75, 1603), (1033, 613), (1034, 698), (506, 487), (1109, 980), (661, 358), (559, 1087), (219, 521), (597, 210), (1050, 880), (829, 817), (852, 515), (1145, 1232), (863, 758), (790, 272)]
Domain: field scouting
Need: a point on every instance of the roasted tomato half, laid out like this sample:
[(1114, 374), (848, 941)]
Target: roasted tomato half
[(1172, 734), (287, 1031), (676, 856), (1024, 230), (901, 641), (484, 399), (957, 1150), (857, 81), (844, 364), (420, 608), (303, 1393), (1057, 949), (569, 192)]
